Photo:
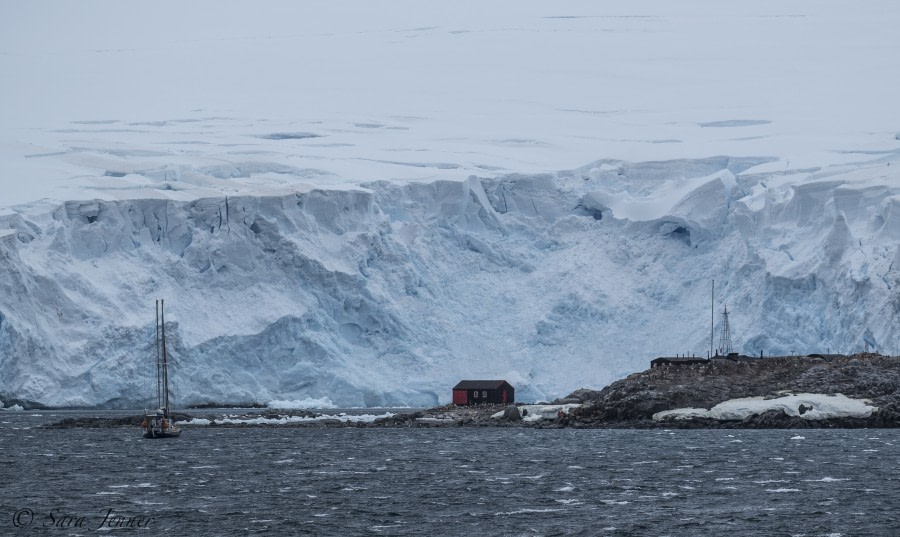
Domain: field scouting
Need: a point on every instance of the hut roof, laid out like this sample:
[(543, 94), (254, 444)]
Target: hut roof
[(479, 384)]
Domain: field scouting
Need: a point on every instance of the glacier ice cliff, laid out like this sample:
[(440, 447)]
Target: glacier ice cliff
[(387, 293)]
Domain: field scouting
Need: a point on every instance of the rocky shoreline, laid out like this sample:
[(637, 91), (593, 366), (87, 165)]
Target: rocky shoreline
[(635, 402)]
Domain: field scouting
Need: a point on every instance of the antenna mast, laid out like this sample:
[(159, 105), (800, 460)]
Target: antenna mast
[(725, 339)]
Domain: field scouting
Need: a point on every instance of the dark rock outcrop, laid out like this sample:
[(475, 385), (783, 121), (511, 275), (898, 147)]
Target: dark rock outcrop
[(512, 414), (632, 402)]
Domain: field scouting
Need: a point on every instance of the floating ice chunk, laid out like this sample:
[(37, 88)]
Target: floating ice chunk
[(196, 421)]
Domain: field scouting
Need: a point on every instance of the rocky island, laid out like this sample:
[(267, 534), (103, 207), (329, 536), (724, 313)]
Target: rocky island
[(791, 392), (861, 390)]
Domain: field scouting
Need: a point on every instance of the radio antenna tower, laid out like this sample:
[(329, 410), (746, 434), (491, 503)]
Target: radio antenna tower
[(725, 338)]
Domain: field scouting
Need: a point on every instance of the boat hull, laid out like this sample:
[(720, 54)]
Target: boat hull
[(161, 434)]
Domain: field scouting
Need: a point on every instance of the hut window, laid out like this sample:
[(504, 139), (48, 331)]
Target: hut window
[(484, 394), (476, 394)]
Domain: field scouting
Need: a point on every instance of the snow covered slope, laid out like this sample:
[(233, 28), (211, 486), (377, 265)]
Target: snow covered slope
[(820, 407), (368, 208)]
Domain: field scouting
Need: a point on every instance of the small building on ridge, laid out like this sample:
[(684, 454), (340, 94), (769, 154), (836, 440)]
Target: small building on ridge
[(675, 360), (482, 392)]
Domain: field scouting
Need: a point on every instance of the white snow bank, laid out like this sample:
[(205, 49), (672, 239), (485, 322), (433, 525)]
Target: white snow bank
[(823, 407), (435, 420), (287, 420), (540, 412), (13, 408), (302, 404)]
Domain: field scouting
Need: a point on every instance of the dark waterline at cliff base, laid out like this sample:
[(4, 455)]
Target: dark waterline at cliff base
[(455, 481)]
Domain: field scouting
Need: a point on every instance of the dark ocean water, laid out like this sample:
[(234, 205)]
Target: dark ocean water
[(459, 481)]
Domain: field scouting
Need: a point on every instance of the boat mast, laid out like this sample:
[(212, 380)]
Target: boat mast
[(712, 317), (158, 387), (165, 369)]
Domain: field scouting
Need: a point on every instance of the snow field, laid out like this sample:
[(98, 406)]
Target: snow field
[(368, 203)]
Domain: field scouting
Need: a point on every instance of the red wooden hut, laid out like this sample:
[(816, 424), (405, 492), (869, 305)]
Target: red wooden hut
[(479, 392)]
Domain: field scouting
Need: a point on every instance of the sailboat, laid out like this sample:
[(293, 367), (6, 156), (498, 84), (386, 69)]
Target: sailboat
[(159, 424)]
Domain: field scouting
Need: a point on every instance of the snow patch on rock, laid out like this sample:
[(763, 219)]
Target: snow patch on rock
[(809, 406), (541, 412)]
